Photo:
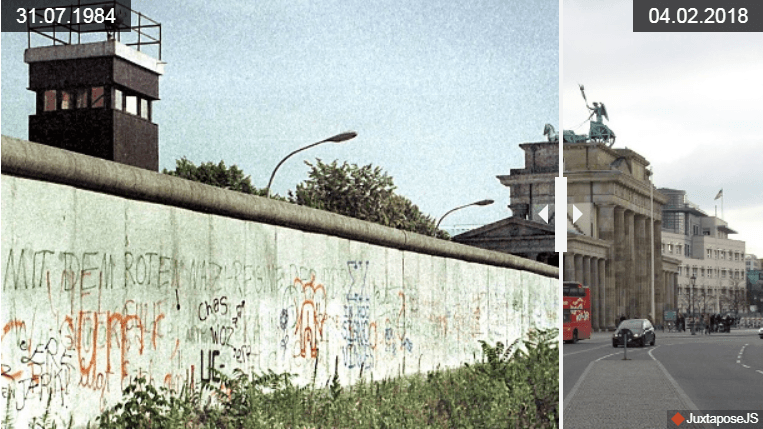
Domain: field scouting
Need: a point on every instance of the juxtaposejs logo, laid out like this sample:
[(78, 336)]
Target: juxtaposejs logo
[(715, 418)]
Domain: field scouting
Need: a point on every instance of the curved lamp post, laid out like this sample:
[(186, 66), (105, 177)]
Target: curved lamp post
[(691, 303), (478, 203), (336, 139)]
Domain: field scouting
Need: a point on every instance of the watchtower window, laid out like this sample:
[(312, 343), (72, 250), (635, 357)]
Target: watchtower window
[(144, 109), (131, 104), (50, 100), (118, 100), (67, 100), (82, 98), (97, 95)]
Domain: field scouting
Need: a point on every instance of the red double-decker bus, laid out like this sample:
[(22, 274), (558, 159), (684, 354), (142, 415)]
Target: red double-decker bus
[(577, 312)]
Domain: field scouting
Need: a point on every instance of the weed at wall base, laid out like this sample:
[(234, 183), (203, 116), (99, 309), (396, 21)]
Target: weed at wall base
[(514, 386)]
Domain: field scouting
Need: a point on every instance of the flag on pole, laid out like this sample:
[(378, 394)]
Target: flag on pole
[(720, 194)]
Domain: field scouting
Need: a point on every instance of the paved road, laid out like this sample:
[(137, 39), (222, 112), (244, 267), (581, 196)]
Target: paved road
[(681, 372)]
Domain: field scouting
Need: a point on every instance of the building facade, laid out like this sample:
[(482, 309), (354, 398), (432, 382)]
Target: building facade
[(609, 248), (525, 233), (711, 277), (751, 262)]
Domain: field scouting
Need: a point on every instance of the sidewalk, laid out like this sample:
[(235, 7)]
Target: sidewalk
[(624, 394)]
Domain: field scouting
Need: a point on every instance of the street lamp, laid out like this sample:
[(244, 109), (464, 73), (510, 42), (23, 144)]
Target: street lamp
[(691, 303), (478, 203), (336, 139), (651, 239)]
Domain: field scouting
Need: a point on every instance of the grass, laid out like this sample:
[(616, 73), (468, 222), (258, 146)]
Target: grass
[(514, 386)]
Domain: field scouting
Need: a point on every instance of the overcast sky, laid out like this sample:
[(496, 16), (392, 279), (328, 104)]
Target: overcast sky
[(690, 103), (440, 93)]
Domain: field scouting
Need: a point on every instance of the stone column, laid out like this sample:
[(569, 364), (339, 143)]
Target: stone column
[(579, 268), (601, 307), (569, 266), (633, 306), (659, 284), (642, 280), (586, 271), (606, 224), (620, 262), (595, 293)]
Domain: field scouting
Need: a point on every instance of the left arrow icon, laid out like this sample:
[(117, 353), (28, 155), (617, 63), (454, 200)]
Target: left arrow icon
[(544, 214)]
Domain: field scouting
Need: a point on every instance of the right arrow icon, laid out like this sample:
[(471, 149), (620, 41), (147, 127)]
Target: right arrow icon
[(576, 213)]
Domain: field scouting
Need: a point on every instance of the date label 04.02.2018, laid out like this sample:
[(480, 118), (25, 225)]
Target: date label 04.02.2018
[(697, 16)]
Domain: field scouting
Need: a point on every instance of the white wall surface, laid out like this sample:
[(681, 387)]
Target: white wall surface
[(98, 290)]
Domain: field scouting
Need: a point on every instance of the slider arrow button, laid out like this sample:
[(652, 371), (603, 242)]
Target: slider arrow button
[(544, 214), (576, 213)]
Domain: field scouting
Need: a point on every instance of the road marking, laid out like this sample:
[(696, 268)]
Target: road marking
[(739, 361), (586, 350), (672, 381)]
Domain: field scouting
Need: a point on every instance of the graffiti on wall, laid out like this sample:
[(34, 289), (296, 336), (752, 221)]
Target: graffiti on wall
[(83, 325), (311, 317)]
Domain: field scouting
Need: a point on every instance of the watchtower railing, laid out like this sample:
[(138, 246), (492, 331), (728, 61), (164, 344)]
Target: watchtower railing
[(66, 30)]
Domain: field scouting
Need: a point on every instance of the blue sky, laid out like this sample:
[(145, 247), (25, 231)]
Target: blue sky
[(690, 103), (440, 93)]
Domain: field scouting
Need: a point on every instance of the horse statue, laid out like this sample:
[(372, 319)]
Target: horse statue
[(569, 136), (551, 133)]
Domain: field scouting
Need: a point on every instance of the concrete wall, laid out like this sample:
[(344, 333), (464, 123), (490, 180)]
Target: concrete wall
[(102, 283)]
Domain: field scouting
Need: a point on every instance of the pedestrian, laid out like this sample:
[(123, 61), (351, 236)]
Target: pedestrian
[(707, 324)]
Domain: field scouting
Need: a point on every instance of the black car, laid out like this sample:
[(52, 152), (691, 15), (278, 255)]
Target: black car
[(642, 332)]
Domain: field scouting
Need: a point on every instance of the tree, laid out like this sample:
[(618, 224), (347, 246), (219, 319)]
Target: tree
[(365, 193), (216, 175)]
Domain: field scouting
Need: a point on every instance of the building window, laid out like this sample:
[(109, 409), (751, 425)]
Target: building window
[(49, 103), (670, 248), (696, 229), (716, 253), (723, 274), (118, 100), (694, 271), (702, 272), (97, 95), (679, 270), (678, 249), (709, 253), (723, 254)]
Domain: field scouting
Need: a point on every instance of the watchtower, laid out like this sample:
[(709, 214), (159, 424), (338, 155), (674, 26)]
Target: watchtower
[(97, 97)]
